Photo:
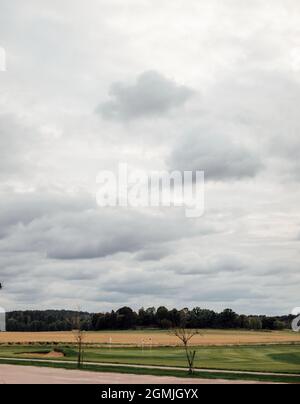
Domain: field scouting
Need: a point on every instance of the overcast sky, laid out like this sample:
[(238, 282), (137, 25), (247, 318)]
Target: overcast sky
[(173, 84)]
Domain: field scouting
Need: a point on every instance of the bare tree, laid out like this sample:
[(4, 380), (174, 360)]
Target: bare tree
[(185, 336), (79, 335)]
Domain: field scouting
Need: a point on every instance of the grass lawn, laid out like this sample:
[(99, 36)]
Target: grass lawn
[(274, 358)]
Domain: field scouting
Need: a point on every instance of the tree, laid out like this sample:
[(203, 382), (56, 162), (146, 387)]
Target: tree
[(279, 325), (126, 318), (270, 323), (228, 319), (166, 324), (175, 317), (185, 336), (202, 318), (79, 338), (150, 316), (162, 315), (255, 323), (146, 318)]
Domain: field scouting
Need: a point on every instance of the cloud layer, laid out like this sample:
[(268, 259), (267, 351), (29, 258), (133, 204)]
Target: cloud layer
[(211, 86)]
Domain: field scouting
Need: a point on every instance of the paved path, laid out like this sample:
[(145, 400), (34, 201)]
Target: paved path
[(214, 371), (11, 374)]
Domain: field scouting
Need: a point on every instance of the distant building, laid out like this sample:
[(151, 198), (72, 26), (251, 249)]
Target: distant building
[(2, 320)]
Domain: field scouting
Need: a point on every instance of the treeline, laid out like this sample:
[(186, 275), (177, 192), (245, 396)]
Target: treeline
[(126, 319), (48, 320)]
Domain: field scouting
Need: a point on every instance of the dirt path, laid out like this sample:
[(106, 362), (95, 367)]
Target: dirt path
[(11, 374), (214, 371)]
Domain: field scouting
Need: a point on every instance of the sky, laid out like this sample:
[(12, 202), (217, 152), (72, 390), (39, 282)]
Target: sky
[(160, 85)]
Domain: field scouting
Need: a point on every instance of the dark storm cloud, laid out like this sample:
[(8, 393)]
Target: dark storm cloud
[(218, 156), (152, 94)]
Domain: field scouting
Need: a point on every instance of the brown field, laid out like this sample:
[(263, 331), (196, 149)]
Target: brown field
[(49, 355), (155, 338)]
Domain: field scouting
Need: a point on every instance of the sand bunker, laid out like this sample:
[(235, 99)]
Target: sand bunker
[(52, 354)]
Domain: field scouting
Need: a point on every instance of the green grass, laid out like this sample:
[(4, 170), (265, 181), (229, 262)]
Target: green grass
[(161, 372), (274, 358)]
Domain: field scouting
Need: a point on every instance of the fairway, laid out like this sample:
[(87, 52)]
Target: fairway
[(156, 338), (275, 359)]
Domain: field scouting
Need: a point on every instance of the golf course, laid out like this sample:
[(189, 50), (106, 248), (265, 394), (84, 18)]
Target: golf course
[(271, 361), (274, 359)]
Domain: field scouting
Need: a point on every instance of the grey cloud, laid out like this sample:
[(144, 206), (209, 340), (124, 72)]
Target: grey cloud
[(69, 232), (16, 139), (19, 209), (195, 265), (228, 294), (217, 155), (153, 254), (260, 107), (145, 286), (96, 235), (152, 94)]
